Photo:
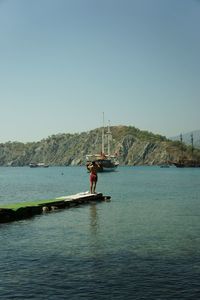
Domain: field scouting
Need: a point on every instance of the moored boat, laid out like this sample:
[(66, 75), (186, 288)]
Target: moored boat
[(187, 163), (40, 165), (107, 162)]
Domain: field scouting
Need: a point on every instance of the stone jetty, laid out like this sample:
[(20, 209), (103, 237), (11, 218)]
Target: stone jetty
[(20, 211)]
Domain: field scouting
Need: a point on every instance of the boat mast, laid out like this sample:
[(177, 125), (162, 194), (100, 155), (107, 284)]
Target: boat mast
[(102, 146), (181, 140), (109, 135), (192, 143)]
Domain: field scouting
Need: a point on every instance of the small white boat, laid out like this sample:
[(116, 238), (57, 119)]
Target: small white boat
[(40, 165)]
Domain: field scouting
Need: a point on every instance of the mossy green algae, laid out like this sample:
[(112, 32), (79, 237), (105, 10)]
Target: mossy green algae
[(17, 205)]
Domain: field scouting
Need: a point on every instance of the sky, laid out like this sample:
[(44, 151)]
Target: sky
[(65, 62)]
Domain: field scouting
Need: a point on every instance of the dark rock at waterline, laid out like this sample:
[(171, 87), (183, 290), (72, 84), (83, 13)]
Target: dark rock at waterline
[(27, 212), (7, 215)]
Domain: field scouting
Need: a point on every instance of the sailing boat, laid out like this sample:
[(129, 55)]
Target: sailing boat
[(106, 162), (187, 163)]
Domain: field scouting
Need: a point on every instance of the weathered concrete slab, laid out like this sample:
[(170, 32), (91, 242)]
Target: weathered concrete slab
[(25, 210)]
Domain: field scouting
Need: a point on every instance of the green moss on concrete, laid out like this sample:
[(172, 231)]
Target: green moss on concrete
[(15, 206)]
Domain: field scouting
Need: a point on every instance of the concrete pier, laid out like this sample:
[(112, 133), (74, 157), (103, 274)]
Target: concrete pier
[(19, 211)]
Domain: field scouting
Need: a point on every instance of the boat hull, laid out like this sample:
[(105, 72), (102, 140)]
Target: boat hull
[(38, 165), (105, 165), (187, 164)]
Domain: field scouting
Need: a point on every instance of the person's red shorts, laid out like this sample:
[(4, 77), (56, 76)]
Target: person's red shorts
[(93, 178)]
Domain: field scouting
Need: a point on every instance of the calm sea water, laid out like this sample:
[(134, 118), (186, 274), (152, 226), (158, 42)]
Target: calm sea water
[(143, 244)]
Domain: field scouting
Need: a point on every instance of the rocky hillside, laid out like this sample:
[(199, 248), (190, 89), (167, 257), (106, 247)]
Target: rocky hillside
[(133, 146)]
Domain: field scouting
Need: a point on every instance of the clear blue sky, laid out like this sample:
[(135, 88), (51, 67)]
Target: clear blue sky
[(64, 62)]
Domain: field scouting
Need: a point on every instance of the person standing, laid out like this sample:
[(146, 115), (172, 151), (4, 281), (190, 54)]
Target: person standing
[(93, 168)]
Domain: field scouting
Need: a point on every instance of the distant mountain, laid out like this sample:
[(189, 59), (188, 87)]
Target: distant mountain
[(187, 138), (133, 146)]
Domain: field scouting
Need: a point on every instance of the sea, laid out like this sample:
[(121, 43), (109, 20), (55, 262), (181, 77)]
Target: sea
[(142, 244)]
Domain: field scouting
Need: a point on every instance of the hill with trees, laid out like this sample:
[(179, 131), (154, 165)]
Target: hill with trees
[(133, 147)]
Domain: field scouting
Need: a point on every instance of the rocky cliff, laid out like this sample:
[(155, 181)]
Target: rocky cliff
[(133, 146)]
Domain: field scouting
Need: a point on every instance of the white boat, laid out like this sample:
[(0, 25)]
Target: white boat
[(36, 165), (107, 162)]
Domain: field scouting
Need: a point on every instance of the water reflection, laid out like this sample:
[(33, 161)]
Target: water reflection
[(94, 220), (95, 244)]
